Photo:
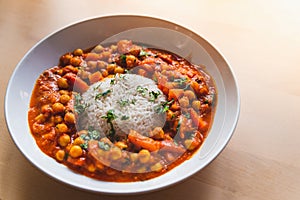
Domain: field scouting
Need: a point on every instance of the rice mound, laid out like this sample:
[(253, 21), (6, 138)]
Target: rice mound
[(128, 96)]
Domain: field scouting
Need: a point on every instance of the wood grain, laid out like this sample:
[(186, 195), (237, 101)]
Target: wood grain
[(260, 39)]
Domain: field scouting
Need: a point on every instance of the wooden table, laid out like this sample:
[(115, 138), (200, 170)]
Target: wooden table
[(261, 41)]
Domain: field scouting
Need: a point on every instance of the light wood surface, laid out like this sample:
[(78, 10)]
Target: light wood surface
[(260, 39)]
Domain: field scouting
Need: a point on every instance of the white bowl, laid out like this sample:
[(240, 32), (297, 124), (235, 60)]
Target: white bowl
[(151, 31)]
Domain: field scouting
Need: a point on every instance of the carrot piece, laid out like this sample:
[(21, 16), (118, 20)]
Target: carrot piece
[(198, 121), (95, 77), (143, 141)]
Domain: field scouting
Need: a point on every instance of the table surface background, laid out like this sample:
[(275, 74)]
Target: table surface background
[(260, 39)]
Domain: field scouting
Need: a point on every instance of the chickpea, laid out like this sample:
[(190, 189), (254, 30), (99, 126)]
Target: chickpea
[(115, 153), (64, 140), (189, 94), (121, 145), (75, 61), (60, 72), (69, 118), (63, 83), (70, 68), (98, 48), (104, 73), (144, 156), (130, 61), (91, 168), (58, 108), (60, 155), (133, 157), (78, 52), (75, 151), (78, 141), (62, 128), (156, 167), (46, 109), (191, 144), (64, 99), (119, 70), (57, 119), (141, 170), (111, 76), (62, 92), (184, 102), (65, 59), (111, 68), (196, 105)]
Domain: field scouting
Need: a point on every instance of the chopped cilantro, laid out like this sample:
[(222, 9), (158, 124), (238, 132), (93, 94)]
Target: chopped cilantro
[(181, 81), (84, 145), (103, 145), (112, 81), (153, 95), (102, 94), (110, 116), (163, 107), (123, 59), (145, 53), (79, 106), (123, 103), (124, 117), (141, 90)]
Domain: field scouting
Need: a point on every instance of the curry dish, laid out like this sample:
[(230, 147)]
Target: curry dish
[(122, 112)]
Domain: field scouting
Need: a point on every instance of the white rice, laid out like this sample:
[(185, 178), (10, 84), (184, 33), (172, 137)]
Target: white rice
[(133, 108)]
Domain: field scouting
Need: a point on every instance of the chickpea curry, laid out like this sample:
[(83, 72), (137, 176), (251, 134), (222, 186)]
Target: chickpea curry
[(185, 97)]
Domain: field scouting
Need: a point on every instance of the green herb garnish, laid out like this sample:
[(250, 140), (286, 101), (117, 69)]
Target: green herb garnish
[(110, 116), (145, 53), (123, 59), (97, 87), (124, 117), (112, 81), (98, 96), (153, 95), (84, 145), (173, 116), (187, 115), (141, 90), (79, 106), (123, 103), (104, 146), (92, 134), (181, 81), (133, 101), (163, 107)]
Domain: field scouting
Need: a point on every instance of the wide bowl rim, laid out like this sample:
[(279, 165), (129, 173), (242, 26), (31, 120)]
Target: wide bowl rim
[(123, 191)]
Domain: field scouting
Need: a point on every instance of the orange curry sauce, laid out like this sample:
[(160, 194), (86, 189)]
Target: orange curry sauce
[(56, 106)]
